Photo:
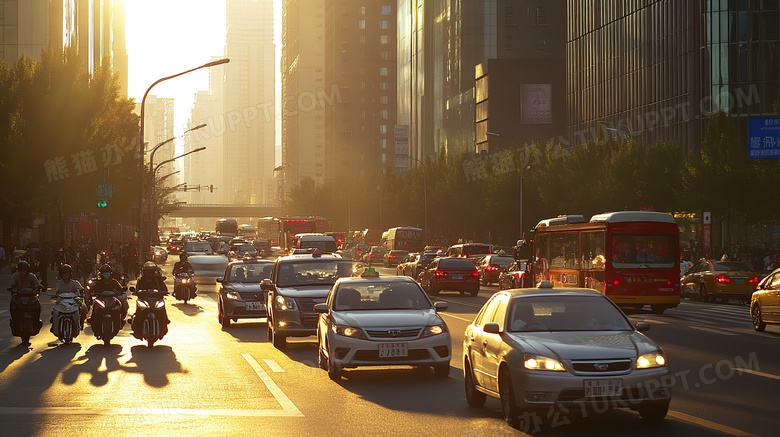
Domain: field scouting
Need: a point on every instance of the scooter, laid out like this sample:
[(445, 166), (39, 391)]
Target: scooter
[(183, 287), (66, 317), (150, 321), (106, 319), (25, 314)]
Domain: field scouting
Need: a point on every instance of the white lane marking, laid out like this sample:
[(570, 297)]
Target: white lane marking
[(79, 411), (691, 319), (284, 401), (274, 366), (3, 311), (716, 331), (649, 320), (456, 317), (757, 373), (708, 424), (457, 302)]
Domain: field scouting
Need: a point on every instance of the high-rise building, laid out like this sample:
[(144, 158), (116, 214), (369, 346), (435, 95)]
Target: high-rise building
[(361, 64), (248, 159), (95, 27), (303, 82), (657, 70)]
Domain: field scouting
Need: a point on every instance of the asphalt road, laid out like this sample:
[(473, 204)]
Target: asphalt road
[(202, 379)]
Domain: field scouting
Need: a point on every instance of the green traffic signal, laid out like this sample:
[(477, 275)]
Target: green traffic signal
[(102, 204)]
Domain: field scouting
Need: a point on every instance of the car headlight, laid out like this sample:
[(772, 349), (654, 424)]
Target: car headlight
[(347, 331), (537, 362), (432, 330), (647, 361), (283, 304), (232, 295)]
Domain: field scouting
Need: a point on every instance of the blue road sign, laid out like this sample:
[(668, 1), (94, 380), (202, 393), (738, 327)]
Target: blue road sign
[(764, 137)]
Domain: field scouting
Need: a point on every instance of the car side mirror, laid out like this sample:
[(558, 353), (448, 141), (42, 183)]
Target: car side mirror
[(321, 308), (266, 285), (642, 326), (441, 306), (491, 328)]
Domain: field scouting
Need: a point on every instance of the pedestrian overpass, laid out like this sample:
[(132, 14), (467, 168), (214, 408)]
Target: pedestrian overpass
[(206, 210)]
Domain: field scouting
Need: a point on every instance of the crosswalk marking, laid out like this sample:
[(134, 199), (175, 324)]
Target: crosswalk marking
[(701, 328), (273, 365)]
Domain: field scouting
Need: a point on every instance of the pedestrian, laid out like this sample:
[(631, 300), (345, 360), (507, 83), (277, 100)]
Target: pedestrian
[(2, 258)]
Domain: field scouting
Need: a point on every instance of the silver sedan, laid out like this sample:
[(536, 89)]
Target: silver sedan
[(535, 348)]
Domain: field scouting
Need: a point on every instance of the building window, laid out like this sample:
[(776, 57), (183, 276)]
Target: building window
[(362, 39), (384, 55), (383, 24), (383, 40), (387, 10), (383, 100), (362, 85), (383, 71), (362, 10), (384, 158), (384, 86), (383, 143), (384, 114), (383, 129), (361, 24), (541, 16)]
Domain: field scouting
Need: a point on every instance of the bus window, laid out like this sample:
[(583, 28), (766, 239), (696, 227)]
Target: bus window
[(593, 251), (633, 251), (564, 250)]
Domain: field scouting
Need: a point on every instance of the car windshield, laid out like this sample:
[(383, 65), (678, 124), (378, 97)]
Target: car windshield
[(250, 272), (197, 246), (321, 272), (732, 266), (456, 263), (565, 313), (478, 249), (244, 248), (325, 246), (635, 251), (379, 295)]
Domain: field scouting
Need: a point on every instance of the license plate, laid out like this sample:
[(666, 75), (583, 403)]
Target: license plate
[(598, 388), (739, 280), (457, 277), (255, 306), (390, 350)]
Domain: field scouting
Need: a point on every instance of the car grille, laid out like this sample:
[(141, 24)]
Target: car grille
[(599, 366), (309, 317), (628, 394), (414, 354), (388, 333), (309, 320), (251, 295)]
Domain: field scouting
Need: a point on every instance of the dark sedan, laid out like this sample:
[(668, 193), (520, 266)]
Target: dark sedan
[(240, 295), (450, 274), (491, 266)]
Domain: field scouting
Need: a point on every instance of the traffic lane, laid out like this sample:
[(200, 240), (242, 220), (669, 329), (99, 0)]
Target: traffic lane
[(703, 360)]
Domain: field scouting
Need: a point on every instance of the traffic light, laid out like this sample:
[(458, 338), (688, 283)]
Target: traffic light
[(102, 204)]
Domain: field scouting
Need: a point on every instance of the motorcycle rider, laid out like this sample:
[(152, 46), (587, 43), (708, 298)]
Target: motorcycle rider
[(22, 279), (107, 283), (66, 284), (150, 280), (183, 266)]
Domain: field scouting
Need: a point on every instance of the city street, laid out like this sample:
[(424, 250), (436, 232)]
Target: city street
[(202, 379)]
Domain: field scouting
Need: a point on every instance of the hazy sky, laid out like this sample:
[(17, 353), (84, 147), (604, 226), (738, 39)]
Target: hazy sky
[(166, 37)]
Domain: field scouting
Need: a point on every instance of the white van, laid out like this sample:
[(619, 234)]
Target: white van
[(323, 243)]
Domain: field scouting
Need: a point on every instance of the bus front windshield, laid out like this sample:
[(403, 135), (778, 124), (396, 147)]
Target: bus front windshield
[(643, 251)]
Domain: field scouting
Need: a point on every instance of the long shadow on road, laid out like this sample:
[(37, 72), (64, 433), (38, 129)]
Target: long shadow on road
[(247, 332), (154, 364), (91, 363), (188, 309)]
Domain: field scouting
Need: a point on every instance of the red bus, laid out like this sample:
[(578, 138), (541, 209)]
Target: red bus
[(632, 257), (290, 226)]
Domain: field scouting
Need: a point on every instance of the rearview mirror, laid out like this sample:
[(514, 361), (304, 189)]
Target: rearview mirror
[(220, 279), (321, 308), (266, 285), (491, 328), (642, 326), (441, 306)]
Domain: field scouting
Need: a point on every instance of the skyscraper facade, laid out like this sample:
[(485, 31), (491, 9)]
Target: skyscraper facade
[(248, 158), (303, 81), (360, 64)]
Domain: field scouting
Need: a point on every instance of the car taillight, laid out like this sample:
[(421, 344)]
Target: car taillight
[(391, 256), (372, 255), (439, 273), (616, 282), (720, 279), (475, 274), (754, 280)]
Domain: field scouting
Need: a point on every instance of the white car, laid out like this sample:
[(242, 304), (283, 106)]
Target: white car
[(387, 321), (535, 348)]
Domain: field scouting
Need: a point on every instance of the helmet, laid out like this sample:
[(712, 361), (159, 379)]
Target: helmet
[(106, 268), (65, 268), (183, 256), (149, 268), (23, 265)]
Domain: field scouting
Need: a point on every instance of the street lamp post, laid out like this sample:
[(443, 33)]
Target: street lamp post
[(154, 175), (141, 236), (425, 197), (151, 154)]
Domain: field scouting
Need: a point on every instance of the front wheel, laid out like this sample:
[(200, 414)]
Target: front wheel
[(755, 314), (507, 394), (657, 309), (279, 341), (474, 397), (106, 341), (150, 342), (334, 373), (224, 321), (485, 280)]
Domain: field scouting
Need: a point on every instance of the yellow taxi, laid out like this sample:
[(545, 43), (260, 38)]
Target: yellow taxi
[(719, 280)]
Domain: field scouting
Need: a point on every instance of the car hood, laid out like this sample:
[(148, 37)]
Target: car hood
[(585, 345), (253, 287), (387, 318), (305, 291)]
